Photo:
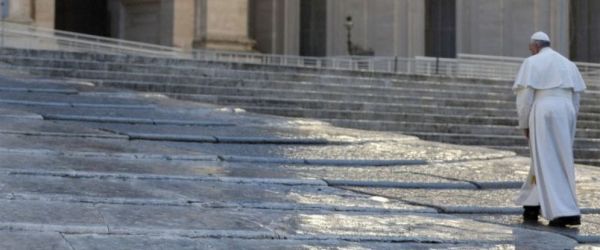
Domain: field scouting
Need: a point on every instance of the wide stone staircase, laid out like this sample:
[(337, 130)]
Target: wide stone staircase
[(452, 110)]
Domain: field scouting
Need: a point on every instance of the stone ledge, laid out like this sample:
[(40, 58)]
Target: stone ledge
[(129, 120), (126, 176), (329, 162)]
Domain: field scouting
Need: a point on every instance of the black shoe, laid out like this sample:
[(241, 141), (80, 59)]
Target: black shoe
[(565, 221), (531, 213)]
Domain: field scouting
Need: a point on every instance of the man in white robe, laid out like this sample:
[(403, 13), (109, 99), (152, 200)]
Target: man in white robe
[(548, 88)]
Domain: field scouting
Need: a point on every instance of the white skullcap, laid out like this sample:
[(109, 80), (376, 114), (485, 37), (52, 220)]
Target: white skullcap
[(540, 36)]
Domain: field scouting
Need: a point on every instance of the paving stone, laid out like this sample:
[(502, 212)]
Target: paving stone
[(587, 232), (155, 243), (369, 173), (6, 113), (121, 194), (587, 247), (450, 200), (319, 226), (67, 145), (367, 151), (475, 201), (38, 162), (127, 218), (432, 228), (32, 240), (50, 128), (506, 169), (22, 185), (181, 192), (48, 97), (50, 216)]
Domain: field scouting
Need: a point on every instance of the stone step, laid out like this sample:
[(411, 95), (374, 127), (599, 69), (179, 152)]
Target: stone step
[(311, 73), (582, 117), (341, 95), (151, 72), (201, 86), (398, 119), (407, 98), (158, 86), (392, 96), (324, 105), (582, 155), (278, 70), (391, 110), (494, 140), (292, 99), (589, 99), (242, 101), (155, 87), (464, 128), (423, 126), (184, 76)]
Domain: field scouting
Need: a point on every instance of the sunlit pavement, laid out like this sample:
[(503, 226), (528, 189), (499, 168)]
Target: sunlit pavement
[(93, 168)]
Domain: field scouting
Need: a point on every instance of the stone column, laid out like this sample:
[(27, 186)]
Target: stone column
[(275, 25), (504, 27), (222, 25), (20, 11), (390, 28), (183, 23), (43, 13)]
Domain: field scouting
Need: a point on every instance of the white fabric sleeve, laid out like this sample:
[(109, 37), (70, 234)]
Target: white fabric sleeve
[(576, 100), (524, 103)]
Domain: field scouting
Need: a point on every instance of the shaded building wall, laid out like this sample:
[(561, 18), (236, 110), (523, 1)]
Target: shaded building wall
[(275, 26), (163, 22), (440, 28), (317, 27), (222, 25), (34, 12), (389, 27), (88, 17), (43, 13), (504, 27), (584, 34), (313, 27)]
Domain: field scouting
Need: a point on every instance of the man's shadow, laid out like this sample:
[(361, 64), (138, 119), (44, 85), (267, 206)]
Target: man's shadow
[(538, 235)]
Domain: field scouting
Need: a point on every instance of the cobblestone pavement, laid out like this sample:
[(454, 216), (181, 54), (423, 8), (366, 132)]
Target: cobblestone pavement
[(92, 168)]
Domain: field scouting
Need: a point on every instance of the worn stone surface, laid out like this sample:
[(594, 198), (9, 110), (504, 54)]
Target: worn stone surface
[(587, 233), (76, 184), (155, 243), (473, 200), (23, 240)]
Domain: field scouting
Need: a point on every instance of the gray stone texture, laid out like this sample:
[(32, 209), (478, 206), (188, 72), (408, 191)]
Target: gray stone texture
[(141, 179)]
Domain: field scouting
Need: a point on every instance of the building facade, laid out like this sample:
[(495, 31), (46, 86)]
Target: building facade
[(404, 28)]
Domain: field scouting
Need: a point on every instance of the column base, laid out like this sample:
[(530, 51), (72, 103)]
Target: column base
[(223, 42)]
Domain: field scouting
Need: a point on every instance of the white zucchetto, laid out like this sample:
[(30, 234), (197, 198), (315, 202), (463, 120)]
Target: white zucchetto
[(540, 36)]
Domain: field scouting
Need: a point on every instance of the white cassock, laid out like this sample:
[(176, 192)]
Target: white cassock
[(548, 88)]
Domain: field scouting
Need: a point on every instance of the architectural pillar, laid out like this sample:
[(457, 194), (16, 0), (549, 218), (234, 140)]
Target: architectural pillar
[(183, 23), (584, 35), (44, 13), (20, 11), (275, 25), (222, 25), (504, 27), (164, 22), (390, 28)]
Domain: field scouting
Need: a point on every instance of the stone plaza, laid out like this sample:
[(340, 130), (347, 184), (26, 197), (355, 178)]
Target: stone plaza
[(92, 167), (189, 138)]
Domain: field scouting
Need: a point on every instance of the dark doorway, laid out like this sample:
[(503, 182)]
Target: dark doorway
[(83, 16), (584, 37), (440, 28), (313, 37)]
